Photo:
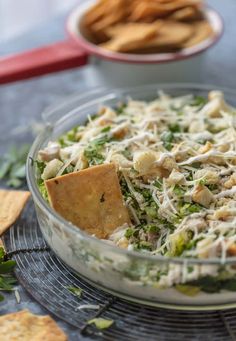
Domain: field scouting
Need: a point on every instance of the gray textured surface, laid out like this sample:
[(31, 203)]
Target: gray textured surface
[(21, 104)]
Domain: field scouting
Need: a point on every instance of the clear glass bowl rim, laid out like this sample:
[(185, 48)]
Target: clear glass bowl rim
[(69, 227)]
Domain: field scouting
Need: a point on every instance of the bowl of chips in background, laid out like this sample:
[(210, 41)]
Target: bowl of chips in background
[(127, 42)]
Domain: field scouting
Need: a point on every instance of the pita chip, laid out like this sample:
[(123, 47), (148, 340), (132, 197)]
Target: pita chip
[(25, 326), (91, 199), (130, 36), (202, 31), (12, 204)]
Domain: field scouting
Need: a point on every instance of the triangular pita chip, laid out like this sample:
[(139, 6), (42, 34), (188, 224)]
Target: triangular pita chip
[(127, 37), (202, 31), (91, 199), (11, 205), (24, 326)]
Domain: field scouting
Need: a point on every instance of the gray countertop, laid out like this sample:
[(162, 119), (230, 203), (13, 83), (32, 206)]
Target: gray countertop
[(21, 103)]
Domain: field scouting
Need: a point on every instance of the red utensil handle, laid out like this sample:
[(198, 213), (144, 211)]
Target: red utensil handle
[(47, 59)]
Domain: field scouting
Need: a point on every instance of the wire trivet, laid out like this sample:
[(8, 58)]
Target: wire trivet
[(47, 278)]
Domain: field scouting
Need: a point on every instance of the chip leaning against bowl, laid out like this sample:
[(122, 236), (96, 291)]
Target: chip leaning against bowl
[(175, 159)]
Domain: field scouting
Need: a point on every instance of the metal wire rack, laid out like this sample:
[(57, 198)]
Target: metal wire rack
[(47, 279)]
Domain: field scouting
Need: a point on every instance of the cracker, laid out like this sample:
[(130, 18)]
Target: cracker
[(25, 326), (105, 13), (156, 9), (107, 21), (12, 204), (91, 199), (186, 14), (96, 12), (130, 36), (202, 31), (170, 36)]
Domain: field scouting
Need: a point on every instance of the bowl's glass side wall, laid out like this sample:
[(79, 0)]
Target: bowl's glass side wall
[(147, 278)]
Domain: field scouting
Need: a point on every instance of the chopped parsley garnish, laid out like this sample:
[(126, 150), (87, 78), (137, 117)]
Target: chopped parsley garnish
[(121, 108), (101, 323), (179, 191), (106, 129), (129, 233), (75, 291), (175, 128), (93, 156), (93, 152), (167, 137), (189, 208), (198, 101), (127, 153)]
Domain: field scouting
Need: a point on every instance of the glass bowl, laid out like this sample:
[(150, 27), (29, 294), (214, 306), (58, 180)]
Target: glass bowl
[(135, 276)]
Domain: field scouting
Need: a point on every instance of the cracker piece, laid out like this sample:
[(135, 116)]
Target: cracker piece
[(147, 8), (111, 19), (96, 12), (131, 36), (25, 326), (170, 36), (202, 31), (12, 204), (91, 199), (186, 14)]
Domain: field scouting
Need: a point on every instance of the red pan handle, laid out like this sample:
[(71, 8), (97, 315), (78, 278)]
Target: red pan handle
[(47, 59)]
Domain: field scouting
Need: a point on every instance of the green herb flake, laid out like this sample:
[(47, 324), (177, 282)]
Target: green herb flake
[(40, 165), (101, 323), (198, 101), (178, 190), (212, 187), (43, 190), (202, 182), (129, 232), (151, 211), (153, 229), (106, 129), (190, 269), (72, 135), (93, 152), (167, 137), (189, 208), (75, 291), (174, 128), (120, 109), (100, 141), (127, 153), (68, 169), (93, 156), (188, 290), (143, 245), (158, 184)]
